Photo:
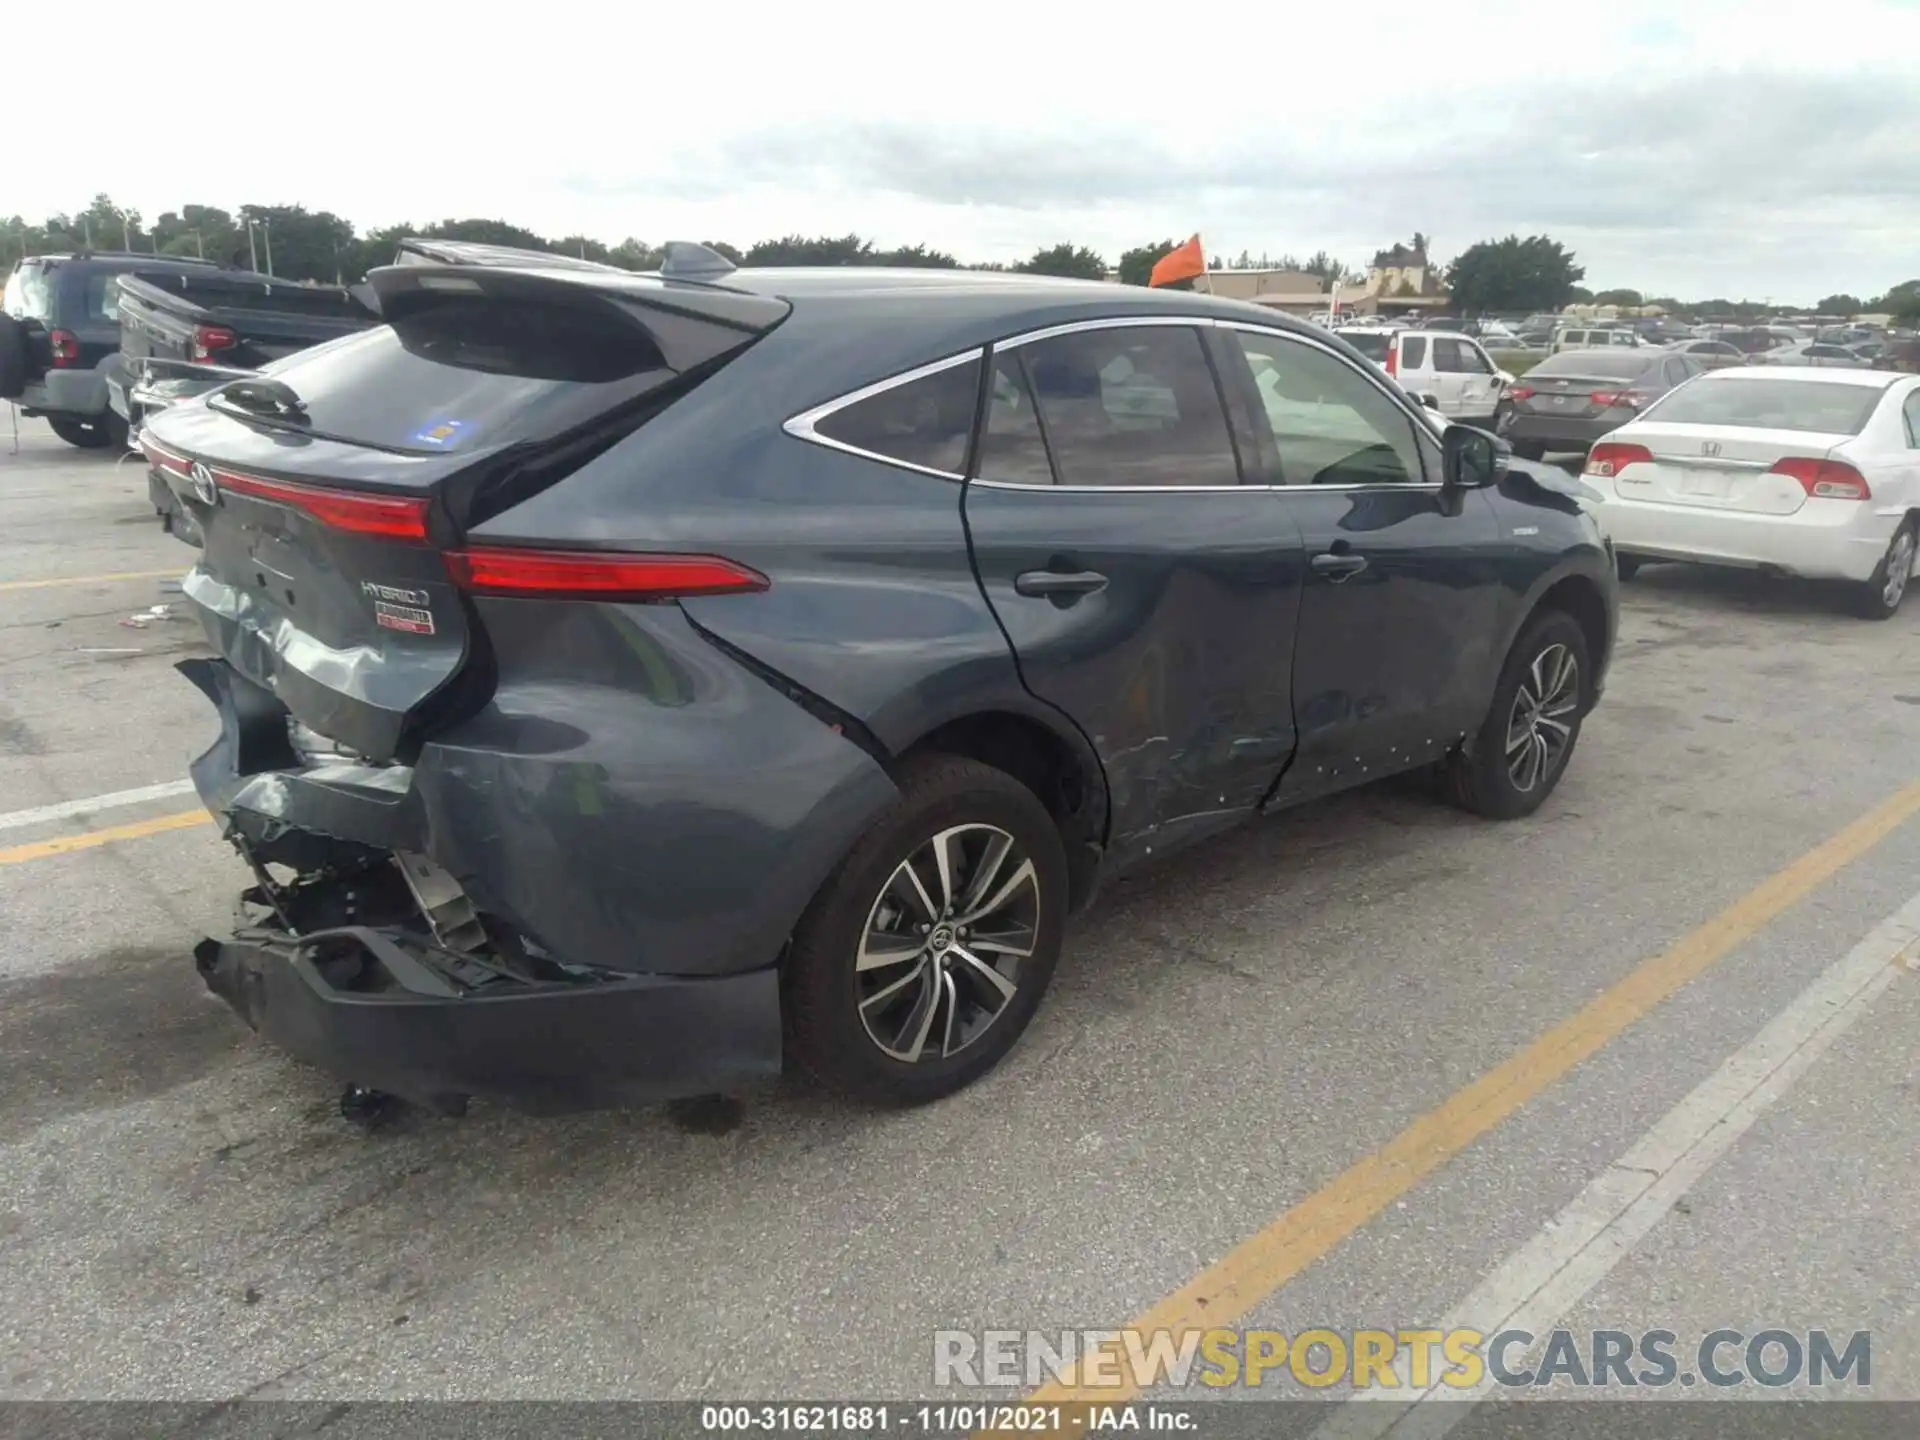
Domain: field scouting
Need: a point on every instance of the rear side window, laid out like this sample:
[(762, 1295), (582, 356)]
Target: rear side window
[(1910, 411), (1131, 406), (1413, 352), (1816, 407), (924, 422), (462, 373), (29, 296)]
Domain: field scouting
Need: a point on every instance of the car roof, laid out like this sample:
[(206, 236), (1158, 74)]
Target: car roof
[(1866, 379)]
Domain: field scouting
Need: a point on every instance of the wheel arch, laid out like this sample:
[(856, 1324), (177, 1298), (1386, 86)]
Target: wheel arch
[(1051, 758), (1581, 595)]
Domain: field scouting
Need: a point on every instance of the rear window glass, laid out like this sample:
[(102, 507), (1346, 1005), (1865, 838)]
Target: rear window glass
[(1608, 363), (1372, 344), (1766, 404), (924, 422), (466, 373)]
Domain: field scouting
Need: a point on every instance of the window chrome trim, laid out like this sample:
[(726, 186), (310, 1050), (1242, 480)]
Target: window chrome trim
[(804, 426), (1383, 485), (1106, 322)]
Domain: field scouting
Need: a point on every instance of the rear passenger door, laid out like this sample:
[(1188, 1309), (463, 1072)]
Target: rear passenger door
[(1475, 396), (1147, 593), (1398, 619)]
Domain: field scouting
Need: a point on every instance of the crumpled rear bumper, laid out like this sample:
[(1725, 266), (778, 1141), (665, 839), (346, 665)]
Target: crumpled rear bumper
[(361, 1005)]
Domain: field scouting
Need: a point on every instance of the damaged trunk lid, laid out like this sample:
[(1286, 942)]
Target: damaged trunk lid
[(335, 493)]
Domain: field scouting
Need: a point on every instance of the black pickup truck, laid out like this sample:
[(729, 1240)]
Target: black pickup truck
[(182, 335)]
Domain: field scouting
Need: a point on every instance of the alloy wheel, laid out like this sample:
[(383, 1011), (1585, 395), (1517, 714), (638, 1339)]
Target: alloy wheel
[(1540, 724), (939, 957), (1900, 557)]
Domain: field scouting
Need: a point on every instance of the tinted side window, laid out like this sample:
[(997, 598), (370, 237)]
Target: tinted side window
[(1413, 352), (1473, 360), (1012, 449), (1132, 406), (1911, 412), (1449, 356), (29, 296), (1331, 424), (925, 422)]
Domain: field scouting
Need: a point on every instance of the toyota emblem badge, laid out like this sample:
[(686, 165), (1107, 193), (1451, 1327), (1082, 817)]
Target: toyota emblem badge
[(203, 485)]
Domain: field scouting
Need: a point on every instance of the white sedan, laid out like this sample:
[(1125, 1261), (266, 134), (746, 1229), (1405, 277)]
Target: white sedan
[(1812, 472)]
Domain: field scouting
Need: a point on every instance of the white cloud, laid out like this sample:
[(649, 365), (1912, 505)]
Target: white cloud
[(1707, 148)]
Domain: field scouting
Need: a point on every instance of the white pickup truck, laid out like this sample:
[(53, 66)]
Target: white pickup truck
[(1453, 368)]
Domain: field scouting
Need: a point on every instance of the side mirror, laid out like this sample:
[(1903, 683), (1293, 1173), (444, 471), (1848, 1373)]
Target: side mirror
[(1429, 399), (1472, 459)]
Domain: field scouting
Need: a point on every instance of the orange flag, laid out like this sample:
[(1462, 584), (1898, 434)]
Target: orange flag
[(1179, 264)]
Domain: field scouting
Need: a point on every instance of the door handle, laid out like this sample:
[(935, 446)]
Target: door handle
[(1048, 583), (1338, 567)]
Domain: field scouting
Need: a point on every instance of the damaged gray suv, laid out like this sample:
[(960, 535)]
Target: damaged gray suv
[(627, 682)]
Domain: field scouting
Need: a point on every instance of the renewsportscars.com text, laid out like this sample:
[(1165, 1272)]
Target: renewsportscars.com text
[(1414, 1359)]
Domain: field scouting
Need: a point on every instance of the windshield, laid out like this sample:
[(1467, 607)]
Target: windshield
[(1818, 407), (1372, 344)]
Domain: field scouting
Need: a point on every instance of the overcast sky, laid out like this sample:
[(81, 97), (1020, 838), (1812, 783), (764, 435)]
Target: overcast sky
[(1758, 149)]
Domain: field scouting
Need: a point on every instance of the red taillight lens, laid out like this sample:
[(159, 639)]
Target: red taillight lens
[(1393, 356), (551, 574), (1825, 479), (66, 348), (388, 516), (208, 339), (1610, 458), (1616, 397), (1521, 392), (164, 459)]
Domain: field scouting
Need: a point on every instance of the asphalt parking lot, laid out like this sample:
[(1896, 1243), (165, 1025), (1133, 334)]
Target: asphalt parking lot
[(1372, 1064)]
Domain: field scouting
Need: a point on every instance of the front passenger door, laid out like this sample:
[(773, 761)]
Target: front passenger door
[(1395, 660), (1148, 594)]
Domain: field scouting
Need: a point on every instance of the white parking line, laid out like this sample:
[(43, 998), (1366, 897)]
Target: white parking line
[(92, 804), (1551, 1273)]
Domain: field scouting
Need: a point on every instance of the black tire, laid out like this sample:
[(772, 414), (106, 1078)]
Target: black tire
[(16, 360), (1879, 597), (1480, 777), (1626, 566), (822, 990), (1529, 449), (86, 434)]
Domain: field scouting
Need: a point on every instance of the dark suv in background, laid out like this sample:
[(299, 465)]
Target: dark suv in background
[(627, 680), (60, 336)]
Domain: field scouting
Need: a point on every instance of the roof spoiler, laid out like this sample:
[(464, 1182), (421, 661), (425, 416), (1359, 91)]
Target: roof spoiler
[(417, 250), (687, 322)]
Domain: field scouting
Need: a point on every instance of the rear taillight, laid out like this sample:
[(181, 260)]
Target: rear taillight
[(1393, 356), (553, 574), (390, 517), (1825, 479), (1521, 392), (66, 348), (1610, 457), (210, 339), (1616, 397)]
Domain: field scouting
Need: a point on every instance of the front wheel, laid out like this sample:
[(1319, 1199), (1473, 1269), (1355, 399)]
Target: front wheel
[(1879, 597), (925, 955), (85, 434), (1509, 768)]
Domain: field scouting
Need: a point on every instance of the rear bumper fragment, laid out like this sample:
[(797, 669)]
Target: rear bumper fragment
[(408, 1028)]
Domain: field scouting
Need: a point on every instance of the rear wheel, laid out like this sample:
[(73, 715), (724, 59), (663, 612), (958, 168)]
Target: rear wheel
[(87, 434), (923, 958), (1523, 747), (1878, 597), (1529, 449)]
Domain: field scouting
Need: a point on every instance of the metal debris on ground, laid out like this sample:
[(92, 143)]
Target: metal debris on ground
[(141, 619)]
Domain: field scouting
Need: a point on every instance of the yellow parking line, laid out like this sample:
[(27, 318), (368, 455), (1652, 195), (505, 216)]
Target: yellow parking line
[(87, 839), (173, 574), (1229, 1288)]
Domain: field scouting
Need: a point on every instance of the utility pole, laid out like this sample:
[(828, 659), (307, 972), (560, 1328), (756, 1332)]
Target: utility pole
[(253, 251), (266, 227), (126, 233)]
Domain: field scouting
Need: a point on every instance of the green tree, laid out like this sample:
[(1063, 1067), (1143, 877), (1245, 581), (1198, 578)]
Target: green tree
[(1619, 297), (1136, 265), (1536, 273), (823, 250), (1074, 262), (915, 257), (1330, 270), (1844, 305), (297, 243), (1902, 302)]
